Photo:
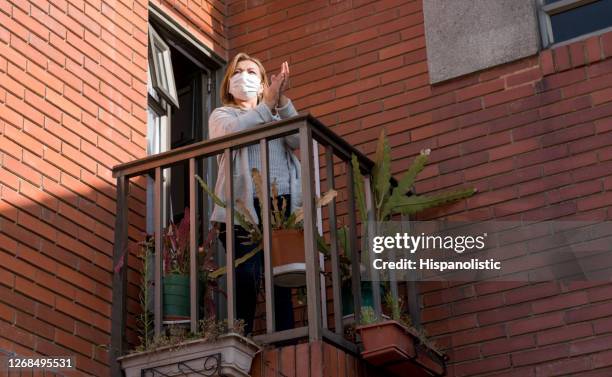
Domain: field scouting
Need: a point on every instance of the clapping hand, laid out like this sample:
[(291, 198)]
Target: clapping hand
[(278, 84)]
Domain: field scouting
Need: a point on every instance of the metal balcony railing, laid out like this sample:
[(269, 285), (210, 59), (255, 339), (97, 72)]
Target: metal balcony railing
[(309, 129)]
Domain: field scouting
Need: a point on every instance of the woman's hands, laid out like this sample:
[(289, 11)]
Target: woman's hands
[(273, 93)]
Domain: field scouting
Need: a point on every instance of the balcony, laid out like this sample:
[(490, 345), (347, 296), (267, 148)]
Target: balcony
[(323, 315)]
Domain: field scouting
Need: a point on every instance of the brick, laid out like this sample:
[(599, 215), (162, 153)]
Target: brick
[(401, 48), (31, 324), (508, 345), (464, 162), (606, 44), (478, 304), (431, 103), (504, 314), (597, 344), (16, 335), (560, 302), (24, 140), (536, 323), (34, 291), (564, 334), (547, 62), (507, 95), (480, 89), (602, 359), (435, 314), (589, 312), (73, 342), (23, 171), (540, 355), (478, 335), (452, 324), (562, 58), (602, 326), (563, 79), (593, 50), (595, 201), (482, 366), (525, 76), (573, 366), (577, 54)]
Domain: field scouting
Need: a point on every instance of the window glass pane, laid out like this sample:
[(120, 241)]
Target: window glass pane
[(550, 1), (581, 20), (153, 132), (150, 89), (163, 78)]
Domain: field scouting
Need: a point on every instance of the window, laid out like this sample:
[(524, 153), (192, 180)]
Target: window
[(179, 99), (161, 75), (565, 20)]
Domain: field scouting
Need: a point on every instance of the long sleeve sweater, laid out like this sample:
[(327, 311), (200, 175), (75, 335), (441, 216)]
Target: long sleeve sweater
[(226, 120)]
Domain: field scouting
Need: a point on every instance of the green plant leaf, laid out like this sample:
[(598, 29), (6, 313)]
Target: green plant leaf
[(408, 205), (237, 262), (358, 188), (406, 182), (323, 246), (343, 239), (382, 170), (210, 192)]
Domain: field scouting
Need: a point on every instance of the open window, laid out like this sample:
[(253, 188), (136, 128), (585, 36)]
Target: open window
[(180, 97), (161, 73)]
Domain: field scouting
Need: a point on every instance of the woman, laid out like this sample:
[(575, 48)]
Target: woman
[(250, 100)]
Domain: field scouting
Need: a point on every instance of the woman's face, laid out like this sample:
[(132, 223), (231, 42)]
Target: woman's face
[(251, 68), (247, 65)]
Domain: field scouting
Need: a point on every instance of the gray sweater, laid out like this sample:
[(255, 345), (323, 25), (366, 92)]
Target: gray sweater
[(226, 120)]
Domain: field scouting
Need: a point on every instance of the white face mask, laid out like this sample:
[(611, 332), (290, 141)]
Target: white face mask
[(244, 85)]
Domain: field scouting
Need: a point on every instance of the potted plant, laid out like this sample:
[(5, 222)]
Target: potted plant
[(399, 199), (394, 345), (214, 349), (176, 270), (288, 254)]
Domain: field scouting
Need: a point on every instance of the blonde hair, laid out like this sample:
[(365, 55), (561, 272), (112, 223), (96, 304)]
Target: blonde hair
[(227, 99)]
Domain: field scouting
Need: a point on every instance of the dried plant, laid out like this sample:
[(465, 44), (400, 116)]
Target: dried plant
[(145, 318)]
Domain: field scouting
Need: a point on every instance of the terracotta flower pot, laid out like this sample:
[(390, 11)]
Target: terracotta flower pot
[(288, 257), (384, 342), (391, 346)]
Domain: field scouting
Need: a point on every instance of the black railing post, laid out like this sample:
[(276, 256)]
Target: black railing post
[(157, 269), (355, 257), (229, 240), (120, 262), (369, 230), (333, 238), (313, 283), (267, 236), (193, 251)]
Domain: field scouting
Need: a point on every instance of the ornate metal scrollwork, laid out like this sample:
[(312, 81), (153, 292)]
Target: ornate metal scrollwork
[(206, 366)]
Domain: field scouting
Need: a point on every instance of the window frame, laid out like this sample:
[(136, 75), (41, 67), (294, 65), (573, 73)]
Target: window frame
[(547, 10), (164, 84)]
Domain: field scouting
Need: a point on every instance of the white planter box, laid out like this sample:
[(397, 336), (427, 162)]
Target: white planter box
[(229, 355)]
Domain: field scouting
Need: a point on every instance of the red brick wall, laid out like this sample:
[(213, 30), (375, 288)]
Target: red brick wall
[(534, 136), (72, 105)]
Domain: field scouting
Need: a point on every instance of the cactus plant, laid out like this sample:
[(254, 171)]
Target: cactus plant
[(389, 200)]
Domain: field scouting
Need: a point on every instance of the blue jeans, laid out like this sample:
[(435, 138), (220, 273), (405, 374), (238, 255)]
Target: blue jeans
[(249, 276)]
